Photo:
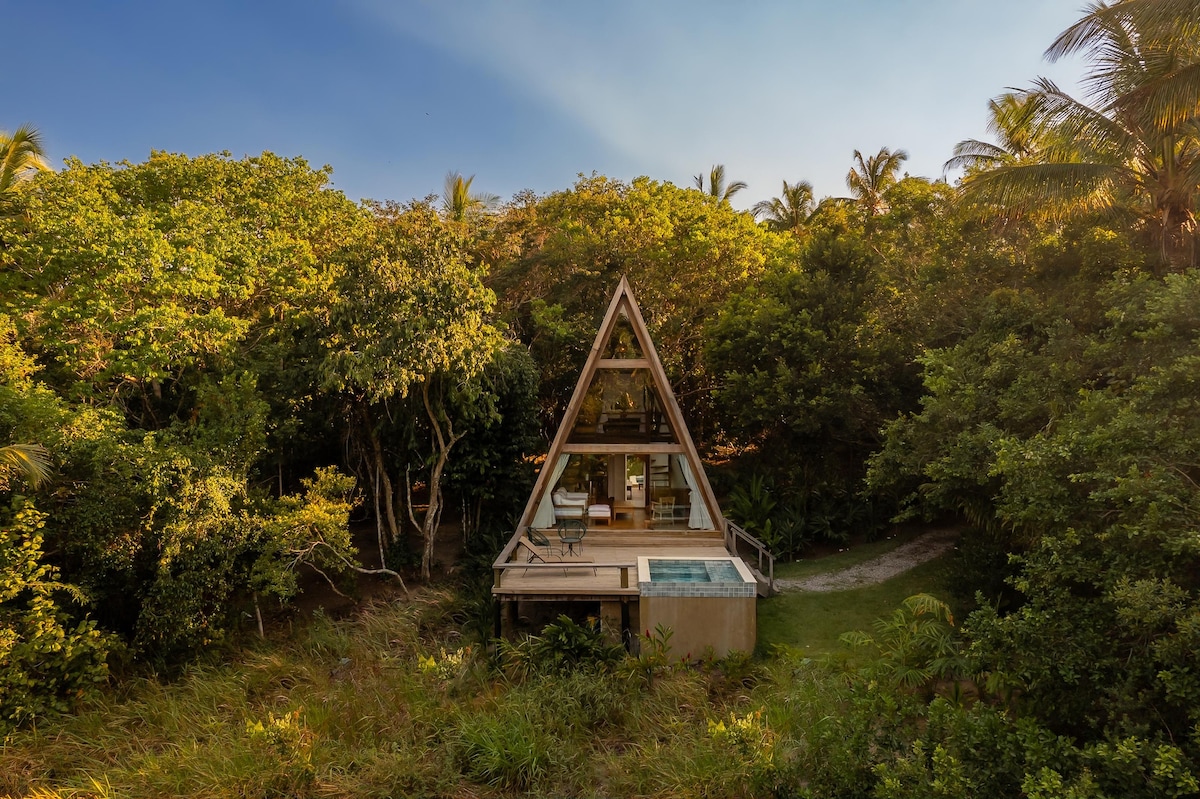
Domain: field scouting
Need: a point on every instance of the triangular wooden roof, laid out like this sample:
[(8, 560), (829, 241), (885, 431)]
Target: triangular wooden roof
[(623, 301)]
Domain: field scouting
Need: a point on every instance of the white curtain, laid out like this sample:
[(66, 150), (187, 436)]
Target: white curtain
[(545, 512), (698, 519)]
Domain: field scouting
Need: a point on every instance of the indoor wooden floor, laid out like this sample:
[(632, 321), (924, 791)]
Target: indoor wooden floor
[(637, 519)]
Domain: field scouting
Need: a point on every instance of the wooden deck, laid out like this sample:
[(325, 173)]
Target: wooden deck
[(607, 566)]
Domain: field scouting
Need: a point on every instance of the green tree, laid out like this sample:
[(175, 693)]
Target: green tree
[(871, 177), (807, 371), (492, 471), (1069, 429), (1020, 130), (563, 255), (21, 156), (1132, 143), (459, 203), (50, 655), (791, 210), (135, 281), (175, 304), (411, 324), (717, 185), (26, 408)]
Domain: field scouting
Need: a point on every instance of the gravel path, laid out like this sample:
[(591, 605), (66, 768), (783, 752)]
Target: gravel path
[(904, 557)]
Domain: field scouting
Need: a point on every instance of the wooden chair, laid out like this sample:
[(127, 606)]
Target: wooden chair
[(663, 509)]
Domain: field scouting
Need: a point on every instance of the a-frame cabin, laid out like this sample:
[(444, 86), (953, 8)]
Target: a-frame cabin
[(622, 491)]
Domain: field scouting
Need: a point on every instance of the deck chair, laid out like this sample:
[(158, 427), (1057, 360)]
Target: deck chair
[(531, 554), (539, 539), (663, 510)]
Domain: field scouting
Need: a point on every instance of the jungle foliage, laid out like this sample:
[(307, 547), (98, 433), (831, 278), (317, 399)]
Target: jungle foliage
[(207, 363)]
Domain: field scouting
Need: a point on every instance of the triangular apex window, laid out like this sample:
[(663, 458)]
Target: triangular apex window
[(622, 406), (623, 342)]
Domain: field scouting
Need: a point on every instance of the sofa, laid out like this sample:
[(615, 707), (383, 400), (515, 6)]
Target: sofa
[(569, 504)]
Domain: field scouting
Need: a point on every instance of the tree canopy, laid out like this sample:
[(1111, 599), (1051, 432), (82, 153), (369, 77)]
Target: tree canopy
[(207, 364)]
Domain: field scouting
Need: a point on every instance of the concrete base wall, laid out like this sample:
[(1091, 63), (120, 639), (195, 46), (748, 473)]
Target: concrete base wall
[(723, 623)]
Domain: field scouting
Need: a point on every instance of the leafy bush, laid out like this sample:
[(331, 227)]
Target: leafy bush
[(563, 646), (915, 645), (283, 747), (47, 661), (789, 521), (752, 506)]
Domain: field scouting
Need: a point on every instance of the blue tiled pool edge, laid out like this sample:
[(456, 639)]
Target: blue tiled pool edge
[(745, 586)]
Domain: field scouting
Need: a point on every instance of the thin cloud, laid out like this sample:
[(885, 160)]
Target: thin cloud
[(773, 91)]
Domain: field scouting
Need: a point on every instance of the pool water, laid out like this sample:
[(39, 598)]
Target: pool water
[(693, 571)]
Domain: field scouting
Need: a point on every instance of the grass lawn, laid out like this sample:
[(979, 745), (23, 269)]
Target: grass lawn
[(836, 561), (813, 621)]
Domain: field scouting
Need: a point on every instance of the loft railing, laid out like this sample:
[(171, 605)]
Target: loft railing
[(734, 534)]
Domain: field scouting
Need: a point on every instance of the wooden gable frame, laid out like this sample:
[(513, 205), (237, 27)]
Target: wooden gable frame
[(623, 300)]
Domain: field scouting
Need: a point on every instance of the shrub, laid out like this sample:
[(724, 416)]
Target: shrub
[(47, 662), (563, 646), (507, 750)]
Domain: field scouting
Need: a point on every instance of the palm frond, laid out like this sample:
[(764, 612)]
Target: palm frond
[(32, 461), (872, 176), (459, 202), (855, 177), (716, 183), (21, 154), (925, 604), (972, 152), (1053, 187), (1081, 36), (1079, 123), (1156, 21), (1169, 101), (772, 208), (1131, 43), (733, 188), (790, 210), (1017, 120)]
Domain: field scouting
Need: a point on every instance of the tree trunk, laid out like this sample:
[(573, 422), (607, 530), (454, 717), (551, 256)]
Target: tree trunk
[(385, 507), (258, 616), (445, 439), (471, 511)]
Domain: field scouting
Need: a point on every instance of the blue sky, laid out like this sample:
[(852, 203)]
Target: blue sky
[(394, 93)]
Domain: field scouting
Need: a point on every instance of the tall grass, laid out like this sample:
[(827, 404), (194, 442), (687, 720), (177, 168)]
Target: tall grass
[(392, 703)]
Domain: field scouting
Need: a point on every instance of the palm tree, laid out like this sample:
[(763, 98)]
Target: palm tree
[(870, 178), (1020, 134), (1135, 142), (716, 183), (31, 461), (790, 210), (459, 203), (21, 156)]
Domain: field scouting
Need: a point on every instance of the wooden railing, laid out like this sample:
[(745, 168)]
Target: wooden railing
[(733, 534), (626, 582)]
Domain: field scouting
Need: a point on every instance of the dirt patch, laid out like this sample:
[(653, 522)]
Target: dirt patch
[(880, 569)]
